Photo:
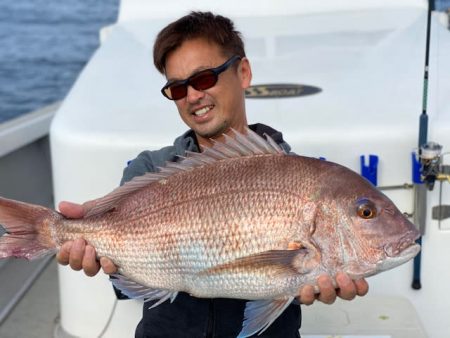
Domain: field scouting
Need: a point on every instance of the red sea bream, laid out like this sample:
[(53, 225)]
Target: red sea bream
[(242, 220)]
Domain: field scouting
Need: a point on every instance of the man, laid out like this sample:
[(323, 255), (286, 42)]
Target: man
[(204, 61)]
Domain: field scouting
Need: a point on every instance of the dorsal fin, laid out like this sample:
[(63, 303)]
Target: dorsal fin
[(240, 145)]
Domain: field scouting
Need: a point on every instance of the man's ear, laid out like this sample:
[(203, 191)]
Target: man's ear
[(245, 71)]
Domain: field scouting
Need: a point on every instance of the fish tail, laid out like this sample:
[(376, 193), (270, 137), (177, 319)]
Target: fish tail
[(26, 230)]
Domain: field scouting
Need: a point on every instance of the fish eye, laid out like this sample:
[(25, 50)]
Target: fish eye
[(366, 209)]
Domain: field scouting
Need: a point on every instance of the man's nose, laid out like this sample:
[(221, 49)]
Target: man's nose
[(193, 95)]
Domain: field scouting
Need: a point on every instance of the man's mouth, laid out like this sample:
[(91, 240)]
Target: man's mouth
[(202, 111)]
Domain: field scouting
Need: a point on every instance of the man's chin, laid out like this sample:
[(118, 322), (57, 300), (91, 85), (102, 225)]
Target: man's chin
[(209, 132)]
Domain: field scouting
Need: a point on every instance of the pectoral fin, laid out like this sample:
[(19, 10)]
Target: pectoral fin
[(135, 290), (300, 260), (260, 314)]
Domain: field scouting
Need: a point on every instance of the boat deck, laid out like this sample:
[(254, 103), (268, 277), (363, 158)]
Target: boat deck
[(37, 312)]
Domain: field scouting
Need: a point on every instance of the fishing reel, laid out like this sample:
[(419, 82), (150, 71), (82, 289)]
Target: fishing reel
[(432, 169), (430, 163)]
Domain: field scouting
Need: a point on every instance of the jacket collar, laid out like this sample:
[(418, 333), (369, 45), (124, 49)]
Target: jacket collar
[(188, 141)]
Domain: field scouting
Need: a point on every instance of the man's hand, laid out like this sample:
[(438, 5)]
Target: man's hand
[(346, 288), (78, 254)]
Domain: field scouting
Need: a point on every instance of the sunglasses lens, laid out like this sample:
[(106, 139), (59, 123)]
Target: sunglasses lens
[(204, 80), (201, 81), (176, 91)]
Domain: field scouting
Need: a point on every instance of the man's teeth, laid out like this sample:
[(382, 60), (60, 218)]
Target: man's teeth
[(202, 111)]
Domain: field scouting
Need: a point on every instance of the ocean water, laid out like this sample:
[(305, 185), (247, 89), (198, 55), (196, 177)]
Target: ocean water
[(44, 44)]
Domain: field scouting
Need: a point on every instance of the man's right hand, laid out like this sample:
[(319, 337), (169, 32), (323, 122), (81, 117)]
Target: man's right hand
[(78, 254)]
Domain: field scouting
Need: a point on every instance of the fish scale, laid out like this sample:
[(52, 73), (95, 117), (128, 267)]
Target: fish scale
[(190, 221), (255, 225)]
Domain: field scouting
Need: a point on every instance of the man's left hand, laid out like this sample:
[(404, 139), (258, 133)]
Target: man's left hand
[(346, 288)]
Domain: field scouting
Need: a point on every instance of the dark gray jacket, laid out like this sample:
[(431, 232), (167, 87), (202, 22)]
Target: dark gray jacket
[(194, 317)]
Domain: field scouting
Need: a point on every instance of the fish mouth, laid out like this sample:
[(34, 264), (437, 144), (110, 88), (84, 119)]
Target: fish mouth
[(405, 246), (405, 255), (400, 252)]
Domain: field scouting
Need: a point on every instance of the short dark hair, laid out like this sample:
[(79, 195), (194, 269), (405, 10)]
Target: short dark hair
[(213, 28)]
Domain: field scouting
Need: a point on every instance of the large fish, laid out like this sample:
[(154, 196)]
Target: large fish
[(242, 220)]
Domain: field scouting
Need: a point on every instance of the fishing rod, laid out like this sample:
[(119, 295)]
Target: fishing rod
[(420, 191)]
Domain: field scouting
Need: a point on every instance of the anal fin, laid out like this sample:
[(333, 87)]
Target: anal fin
[(260, 314)]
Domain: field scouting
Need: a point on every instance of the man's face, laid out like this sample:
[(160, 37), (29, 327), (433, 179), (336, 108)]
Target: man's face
[(213, 111)]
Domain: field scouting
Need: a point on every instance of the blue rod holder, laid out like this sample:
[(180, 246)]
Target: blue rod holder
[(416, 168), (370, 171)]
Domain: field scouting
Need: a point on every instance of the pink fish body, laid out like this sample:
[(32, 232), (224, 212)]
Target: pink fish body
[(240, 220)]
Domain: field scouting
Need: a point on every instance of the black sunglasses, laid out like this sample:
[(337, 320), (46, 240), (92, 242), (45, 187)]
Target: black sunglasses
[(202, 80)]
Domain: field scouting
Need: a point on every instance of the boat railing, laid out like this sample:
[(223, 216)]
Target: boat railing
[(25, 158)]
